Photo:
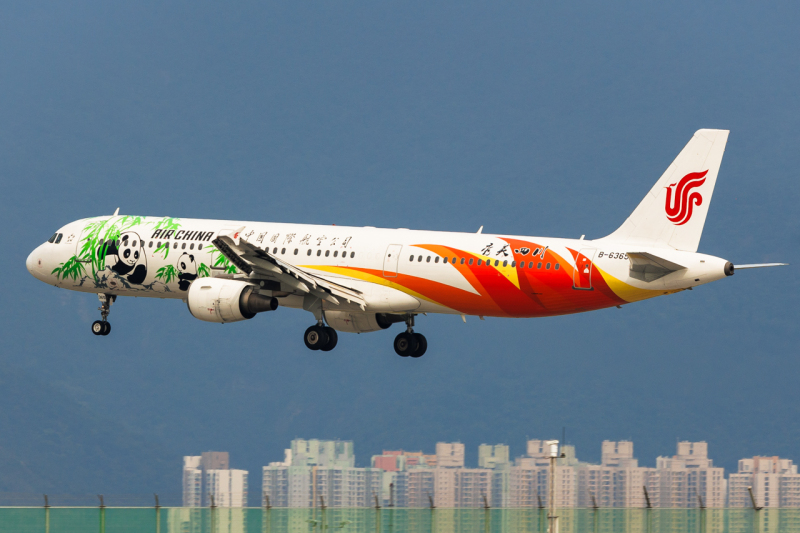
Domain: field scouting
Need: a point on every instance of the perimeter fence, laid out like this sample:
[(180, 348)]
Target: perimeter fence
[(390, 520)]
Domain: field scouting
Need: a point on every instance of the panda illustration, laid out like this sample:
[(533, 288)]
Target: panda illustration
[(128, 256), (187, 271)]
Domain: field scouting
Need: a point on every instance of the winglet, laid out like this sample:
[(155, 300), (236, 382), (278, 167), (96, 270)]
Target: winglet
[(480, 230), (116, 212)]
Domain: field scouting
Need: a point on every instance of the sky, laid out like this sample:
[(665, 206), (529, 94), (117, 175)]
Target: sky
[(527, 118)]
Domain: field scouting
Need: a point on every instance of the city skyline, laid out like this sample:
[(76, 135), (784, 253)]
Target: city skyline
[(317, 472)]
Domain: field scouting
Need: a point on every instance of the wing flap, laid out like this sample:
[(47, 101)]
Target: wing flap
[(260, 264)]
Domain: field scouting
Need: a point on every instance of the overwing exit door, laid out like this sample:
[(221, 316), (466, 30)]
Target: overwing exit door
[(582, 276), (391, 260)]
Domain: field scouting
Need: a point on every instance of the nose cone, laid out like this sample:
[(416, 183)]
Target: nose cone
[(34, 262)]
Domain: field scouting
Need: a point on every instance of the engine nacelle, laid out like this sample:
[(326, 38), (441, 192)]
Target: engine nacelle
[(360, 322), (226, 300)]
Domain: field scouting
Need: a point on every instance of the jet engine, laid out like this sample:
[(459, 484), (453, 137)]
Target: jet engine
[(226, 300), (360, 322)]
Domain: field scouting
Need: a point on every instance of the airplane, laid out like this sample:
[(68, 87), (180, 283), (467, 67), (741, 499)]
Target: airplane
[(364, 279)]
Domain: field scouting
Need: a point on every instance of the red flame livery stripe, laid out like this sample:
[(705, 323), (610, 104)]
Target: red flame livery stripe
[(679, 209)]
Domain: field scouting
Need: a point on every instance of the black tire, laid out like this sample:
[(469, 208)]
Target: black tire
[(422, 345), (106, 329), (333, 338), (405, 344), (315, 338), (97, 327)]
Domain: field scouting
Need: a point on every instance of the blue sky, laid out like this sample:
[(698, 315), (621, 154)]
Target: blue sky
[(526, 118)]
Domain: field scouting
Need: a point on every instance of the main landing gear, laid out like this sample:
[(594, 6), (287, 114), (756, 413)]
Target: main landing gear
[(102, 327), (321, 337), (408, 343)]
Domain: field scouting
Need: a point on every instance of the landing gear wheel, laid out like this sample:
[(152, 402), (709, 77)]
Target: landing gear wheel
[(315, 338), (333, 338), (422, 345), (405, 344), (98, 327), (107, 328)]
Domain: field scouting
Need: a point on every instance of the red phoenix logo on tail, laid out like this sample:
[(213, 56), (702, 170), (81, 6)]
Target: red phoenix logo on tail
[(679, 209)]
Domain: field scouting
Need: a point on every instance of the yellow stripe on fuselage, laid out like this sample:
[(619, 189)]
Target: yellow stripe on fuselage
[(629, 293)]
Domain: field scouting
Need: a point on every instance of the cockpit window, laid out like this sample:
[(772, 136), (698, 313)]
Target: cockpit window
[(53, 238), (58, 239)]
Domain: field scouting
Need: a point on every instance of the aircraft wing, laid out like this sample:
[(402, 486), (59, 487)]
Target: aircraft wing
[(260, 264)]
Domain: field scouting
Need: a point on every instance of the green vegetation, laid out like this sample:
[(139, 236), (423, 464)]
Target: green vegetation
[(167, 273), (73, 268)]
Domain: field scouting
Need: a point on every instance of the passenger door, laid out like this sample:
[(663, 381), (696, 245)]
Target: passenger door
[(582, 275), (391, 260)]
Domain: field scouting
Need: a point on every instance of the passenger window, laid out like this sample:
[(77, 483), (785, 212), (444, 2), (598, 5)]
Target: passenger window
[(327, 253), (436, 260), (183, 246), (479, 261), (352, 255), (411, 258), (539, 265), (309, 251), (505, 263), (513, 264), (52, 239), (319, 253), (175, 247), (547, 267), (530, 265), (428, 260), (446, 260), (199, 246), (58, 239), (283, 251), (462, 260), (191, 246), (521, 264), (158, 245), (496, 262), (150, 245), (471, 260), (419, 259), (336, 253), (295, 251), (101, 241), (557, 265)]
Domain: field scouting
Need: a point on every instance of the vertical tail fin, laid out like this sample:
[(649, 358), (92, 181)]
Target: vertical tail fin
[(674, 211)]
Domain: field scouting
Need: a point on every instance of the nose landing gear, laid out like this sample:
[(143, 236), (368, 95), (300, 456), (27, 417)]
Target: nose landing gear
[(102, 327), (410, 344)]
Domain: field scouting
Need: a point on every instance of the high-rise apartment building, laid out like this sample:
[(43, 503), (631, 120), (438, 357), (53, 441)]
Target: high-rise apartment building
[(690, 479), (192, 481), (449, 454), (319, 472), (496, 458), (228, 487), (209, 475), (774, 482)]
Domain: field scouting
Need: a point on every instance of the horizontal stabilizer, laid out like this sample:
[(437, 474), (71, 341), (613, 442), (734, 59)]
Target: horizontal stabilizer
[(648, 267)]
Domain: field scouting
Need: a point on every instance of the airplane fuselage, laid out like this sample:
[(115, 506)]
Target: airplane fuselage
[(398, 270)]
